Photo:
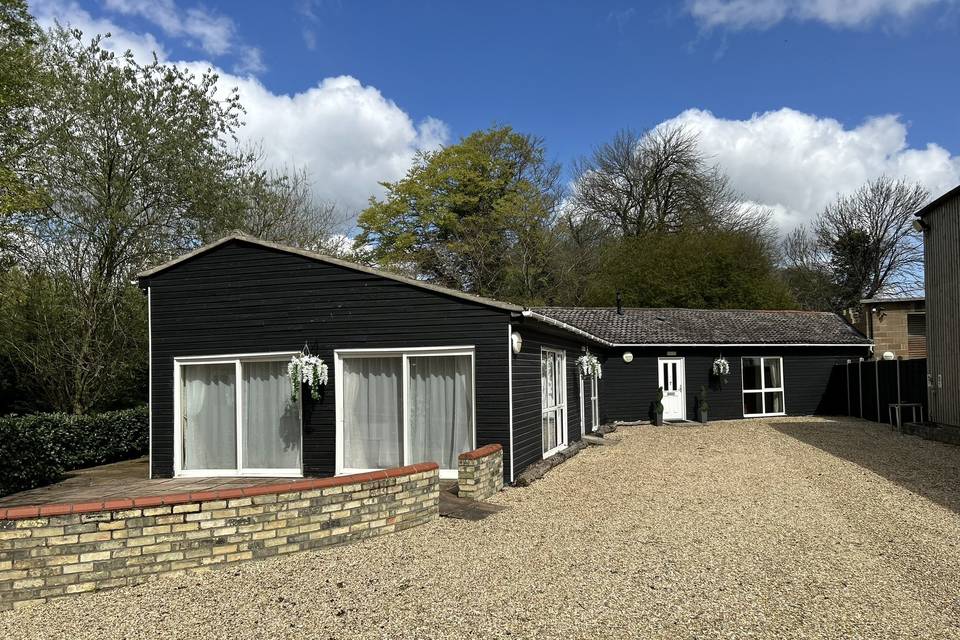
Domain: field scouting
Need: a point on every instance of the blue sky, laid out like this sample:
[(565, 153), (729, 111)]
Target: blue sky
[(796, 100)]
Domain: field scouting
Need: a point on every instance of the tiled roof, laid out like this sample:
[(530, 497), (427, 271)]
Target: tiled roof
[(706, 326)]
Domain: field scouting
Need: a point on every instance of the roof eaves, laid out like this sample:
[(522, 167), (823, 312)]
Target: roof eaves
[(933, 204), (527, 313), (489, 302)]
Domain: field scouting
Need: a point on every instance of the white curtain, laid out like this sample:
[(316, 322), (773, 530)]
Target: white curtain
[(209, 421), (271, 417), (372, 418), (440, 411)]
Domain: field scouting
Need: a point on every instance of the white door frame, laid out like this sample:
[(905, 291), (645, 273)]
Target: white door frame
[(683, 384), (562, 405), (583, 424), (235, 359), (405, 353)]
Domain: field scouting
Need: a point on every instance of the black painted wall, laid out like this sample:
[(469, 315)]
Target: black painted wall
[(628, 390), (243, 298), (527, 409)]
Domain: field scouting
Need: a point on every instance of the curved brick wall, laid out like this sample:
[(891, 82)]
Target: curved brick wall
[(54, 550), (480, 472)]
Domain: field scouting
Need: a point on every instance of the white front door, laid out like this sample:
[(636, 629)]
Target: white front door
[(672, 381)]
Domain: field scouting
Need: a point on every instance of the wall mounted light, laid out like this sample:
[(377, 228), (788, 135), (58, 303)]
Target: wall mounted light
[(921, 225), (888, 355), (516, 342), (627, 357)]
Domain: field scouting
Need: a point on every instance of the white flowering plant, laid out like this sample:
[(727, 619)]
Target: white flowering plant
[(307, 369), (721, 367), (589, 366)]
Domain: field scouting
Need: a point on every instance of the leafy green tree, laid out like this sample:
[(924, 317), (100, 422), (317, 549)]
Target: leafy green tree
[(23, 83), (476, 216), (691, 269)]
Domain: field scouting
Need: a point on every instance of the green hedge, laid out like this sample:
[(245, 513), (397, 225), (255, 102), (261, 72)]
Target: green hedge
[(37, 449)]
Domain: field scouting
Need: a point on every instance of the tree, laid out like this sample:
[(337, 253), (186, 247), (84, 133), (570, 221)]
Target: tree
[(23, 83), (279, 205), (136, 163), (689, 269), (861, 246), (476, 216), (659, 182)]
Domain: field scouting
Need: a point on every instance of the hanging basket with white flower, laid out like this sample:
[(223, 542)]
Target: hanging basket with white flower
[(721, 367), (589, 366), (307, 369)]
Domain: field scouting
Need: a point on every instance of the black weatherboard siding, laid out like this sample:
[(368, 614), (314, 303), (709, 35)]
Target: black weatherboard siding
[(527, 399), (239, 297), (629, 390)]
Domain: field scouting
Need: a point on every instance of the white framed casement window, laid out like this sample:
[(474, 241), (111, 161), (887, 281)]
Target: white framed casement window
[(553, 395), (762, 386), (403, 406), (234, 415)]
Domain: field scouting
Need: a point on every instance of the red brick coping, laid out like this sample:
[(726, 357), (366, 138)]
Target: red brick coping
[(62, 509), (476, 454)]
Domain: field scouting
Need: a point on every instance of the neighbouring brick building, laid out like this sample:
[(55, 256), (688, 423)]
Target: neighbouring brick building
[(897, 325)]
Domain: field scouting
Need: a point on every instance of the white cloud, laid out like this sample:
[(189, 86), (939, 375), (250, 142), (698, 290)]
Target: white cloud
[(795, 163), (69, 13), (739, 14), (348, 136), (215, 34)]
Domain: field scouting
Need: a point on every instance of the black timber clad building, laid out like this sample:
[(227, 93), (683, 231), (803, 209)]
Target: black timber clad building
[(418, 372)]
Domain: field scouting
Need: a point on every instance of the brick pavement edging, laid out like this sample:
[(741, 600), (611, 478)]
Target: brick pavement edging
[(480, 472), (54, 550)]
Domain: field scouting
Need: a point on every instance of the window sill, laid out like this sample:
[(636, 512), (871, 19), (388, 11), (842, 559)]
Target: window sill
[(554, 451)]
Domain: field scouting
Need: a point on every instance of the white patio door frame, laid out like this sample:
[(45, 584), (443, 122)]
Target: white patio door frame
[(560, 408), (594, 402), (240, 470), (593, 399), (674, 387), (405, 353)]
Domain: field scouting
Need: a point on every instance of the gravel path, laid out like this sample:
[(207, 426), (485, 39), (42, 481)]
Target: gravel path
[(778, 529)]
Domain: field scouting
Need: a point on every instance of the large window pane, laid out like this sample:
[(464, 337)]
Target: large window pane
[(550, 430), (271, 417), (771, 373), (752, 403), (372, 414), (209, 416), (751, 374), (774, 402), (440, 409)]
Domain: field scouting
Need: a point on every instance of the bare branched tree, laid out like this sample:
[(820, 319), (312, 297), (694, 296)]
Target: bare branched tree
[(659, 181), (862, 245), (280, 206)]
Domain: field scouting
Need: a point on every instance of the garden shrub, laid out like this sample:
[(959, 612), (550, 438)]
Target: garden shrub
[(37, 449)]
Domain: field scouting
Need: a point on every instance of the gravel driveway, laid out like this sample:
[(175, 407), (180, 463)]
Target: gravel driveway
[(777, 529)]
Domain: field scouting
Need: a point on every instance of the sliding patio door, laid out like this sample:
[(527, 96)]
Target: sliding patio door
[(372, 413), (402, 407), (236, 417), (439, 409), (209, 422)]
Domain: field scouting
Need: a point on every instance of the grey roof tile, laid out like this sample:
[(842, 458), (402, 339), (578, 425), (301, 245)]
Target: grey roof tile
[(707, 326)]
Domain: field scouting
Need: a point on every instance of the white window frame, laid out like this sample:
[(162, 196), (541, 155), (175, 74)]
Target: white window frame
[(236, 359), (405, 353), (560, 407), (763, 390)]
